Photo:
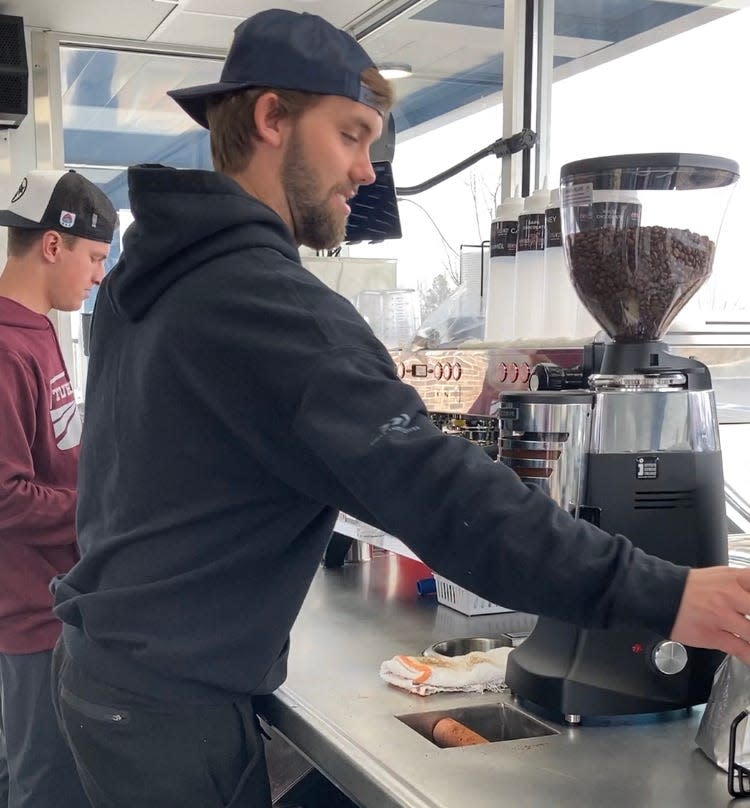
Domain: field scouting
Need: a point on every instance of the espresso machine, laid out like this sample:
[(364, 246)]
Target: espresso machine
[(632, 443)]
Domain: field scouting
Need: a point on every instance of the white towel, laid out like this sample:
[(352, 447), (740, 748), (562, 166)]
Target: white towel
[(471, 673)]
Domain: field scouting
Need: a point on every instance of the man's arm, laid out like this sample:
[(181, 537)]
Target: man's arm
[(475, 522), (29, 513)]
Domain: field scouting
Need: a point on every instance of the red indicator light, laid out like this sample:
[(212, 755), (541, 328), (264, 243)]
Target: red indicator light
[(637, 648)]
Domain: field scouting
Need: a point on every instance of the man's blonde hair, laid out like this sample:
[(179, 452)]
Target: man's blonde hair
[(231, 118)]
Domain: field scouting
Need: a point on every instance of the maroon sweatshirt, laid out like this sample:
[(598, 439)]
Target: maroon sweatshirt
[(40, 433)]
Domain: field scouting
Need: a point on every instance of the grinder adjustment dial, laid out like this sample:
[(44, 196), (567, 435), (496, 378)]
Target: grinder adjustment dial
[(669, 657)]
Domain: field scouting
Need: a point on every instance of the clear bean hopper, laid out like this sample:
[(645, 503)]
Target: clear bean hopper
[(639, 235)]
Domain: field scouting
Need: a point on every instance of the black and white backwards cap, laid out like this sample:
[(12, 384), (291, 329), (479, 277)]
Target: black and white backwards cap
[(64, 201)]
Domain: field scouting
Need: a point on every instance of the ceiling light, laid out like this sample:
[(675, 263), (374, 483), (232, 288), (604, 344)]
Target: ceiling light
[(394, 70)]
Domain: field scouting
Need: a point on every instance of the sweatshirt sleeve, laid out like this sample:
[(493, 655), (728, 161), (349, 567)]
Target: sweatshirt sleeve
[(30, 514), (469, 518)]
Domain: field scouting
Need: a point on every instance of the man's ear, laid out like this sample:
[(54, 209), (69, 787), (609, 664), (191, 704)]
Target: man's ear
[(271, 119), (52, 243)]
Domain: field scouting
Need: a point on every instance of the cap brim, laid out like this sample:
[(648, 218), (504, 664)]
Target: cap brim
[(194, 100), (10, 219)]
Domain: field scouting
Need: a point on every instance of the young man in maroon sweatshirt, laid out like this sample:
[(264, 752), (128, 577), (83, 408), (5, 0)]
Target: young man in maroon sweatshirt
[(60, 226)]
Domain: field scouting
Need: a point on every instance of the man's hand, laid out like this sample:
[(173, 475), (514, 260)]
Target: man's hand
[(713, 611)]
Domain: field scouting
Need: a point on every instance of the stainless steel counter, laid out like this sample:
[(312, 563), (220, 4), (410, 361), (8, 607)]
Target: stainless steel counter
[(337, 711)]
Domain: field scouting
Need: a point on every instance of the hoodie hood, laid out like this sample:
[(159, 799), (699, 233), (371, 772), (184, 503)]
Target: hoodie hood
[(17, 315), (184, 219)]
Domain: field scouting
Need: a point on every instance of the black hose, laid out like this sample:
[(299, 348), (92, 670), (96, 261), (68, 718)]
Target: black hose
[(522, 140)]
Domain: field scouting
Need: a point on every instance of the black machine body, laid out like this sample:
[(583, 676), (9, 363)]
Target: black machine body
[(650, 468)]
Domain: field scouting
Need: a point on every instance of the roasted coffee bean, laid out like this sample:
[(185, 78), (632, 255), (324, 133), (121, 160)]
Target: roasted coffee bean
[(635, 280)]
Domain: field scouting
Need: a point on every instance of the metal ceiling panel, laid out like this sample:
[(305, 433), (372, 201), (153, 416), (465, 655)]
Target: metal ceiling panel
[(131, 19), (615, 20), (339, 12), (572, 47), (476, 13), (407, 41), (196, 30)]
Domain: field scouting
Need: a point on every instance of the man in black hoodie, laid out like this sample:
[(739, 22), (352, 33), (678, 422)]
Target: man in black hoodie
[(236, 404)]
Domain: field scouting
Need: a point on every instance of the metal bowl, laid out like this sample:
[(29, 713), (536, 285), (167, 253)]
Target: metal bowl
[(465, 645)]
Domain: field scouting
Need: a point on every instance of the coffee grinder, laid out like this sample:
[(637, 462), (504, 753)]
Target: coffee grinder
[(634, 445)]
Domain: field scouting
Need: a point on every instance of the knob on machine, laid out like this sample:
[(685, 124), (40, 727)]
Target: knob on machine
[(669, 657)]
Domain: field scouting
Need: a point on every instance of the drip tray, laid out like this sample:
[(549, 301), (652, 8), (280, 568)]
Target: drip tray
[(495, 722)]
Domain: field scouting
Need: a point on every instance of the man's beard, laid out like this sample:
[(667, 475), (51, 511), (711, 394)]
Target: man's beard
[(316, 225)]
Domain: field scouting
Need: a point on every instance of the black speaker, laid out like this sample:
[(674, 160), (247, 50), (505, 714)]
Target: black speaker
[(14, 73)]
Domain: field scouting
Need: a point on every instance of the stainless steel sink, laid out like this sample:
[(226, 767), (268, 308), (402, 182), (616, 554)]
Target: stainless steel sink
[(465, 645), (495, 722)]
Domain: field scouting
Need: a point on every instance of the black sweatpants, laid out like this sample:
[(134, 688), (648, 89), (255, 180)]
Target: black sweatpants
[(132, 751), (41, 770), (3, 766)]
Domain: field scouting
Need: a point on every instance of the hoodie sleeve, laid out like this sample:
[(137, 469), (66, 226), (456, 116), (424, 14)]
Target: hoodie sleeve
[(30, 514), (469, 518)]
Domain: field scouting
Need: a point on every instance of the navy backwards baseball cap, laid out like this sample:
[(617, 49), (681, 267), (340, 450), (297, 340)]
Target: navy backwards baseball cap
[(286, 50), (64, 201)]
